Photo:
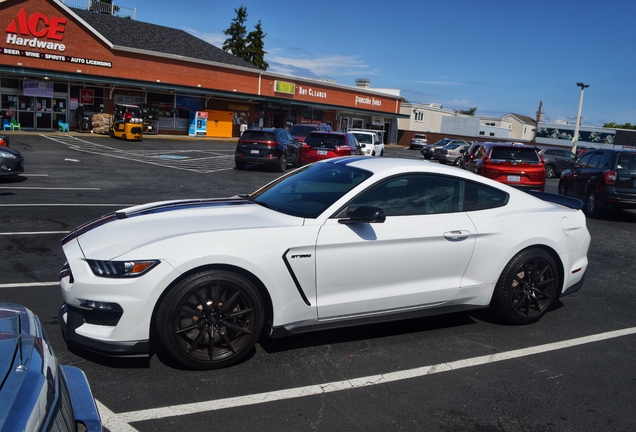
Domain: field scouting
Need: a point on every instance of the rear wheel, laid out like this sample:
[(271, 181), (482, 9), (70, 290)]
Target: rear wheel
[(239, 165), (123, 136), (282, 163), (527, 287), (458, 161), (210, 319), (550, 171), (562, 190)]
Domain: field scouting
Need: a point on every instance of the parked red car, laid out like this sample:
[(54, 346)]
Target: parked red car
[(325, 145), (514, 164)]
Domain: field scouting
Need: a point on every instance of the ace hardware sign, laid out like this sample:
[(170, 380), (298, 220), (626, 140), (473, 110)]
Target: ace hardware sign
[(40, 36)]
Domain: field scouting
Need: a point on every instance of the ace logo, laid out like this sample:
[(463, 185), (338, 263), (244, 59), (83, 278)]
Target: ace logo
[(37, 25)]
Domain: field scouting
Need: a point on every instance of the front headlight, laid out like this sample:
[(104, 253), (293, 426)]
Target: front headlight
[(7, 155), (121, 269)]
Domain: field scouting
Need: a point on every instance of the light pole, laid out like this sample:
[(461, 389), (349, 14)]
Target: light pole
[(575, 138)]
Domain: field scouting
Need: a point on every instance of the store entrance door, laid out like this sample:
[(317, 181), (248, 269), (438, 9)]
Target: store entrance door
[(35, 112), (43, 113)]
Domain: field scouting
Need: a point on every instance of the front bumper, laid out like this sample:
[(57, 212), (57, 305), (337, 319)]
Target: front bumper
[(71, 318)]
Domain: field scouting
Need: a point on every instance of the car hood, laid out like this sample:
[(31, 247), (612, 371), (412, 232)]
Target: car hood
[(125, 230)]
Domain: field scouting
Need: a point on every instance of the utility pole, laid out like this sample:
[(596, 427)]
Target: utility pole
[(538, 120), (575, 138)]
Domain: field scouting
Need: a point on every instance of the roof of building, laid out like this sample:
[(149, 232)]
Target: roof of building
[(128, 33), (522, 118)]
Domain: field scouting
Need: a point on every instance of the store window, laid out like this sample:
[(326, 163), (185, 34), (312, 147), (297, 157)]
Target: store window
[(9, 83), (357, 123)]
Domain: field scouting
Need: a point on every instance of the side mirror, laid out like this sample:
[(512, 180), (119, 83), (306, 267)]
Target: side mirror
[(364, 214)]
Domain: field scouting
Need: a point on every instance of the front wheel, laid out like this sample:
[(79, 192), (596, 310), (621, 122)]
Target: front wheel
[(591, 207), (210, 319), (527, 287)]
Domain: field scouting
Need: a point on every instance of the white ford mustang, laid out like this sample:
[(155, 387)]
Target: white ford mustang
[(341, 242)]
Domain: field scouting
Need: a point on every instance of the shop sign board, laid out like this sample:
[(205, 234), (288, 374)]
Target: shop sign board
[(284, 87), (377, 121), (28, 35), (37, 88), (87, 96)]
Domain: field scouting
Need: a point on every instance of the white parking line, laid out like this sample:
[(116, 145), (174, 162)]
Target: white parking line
[(44, 188), (28, 284), (34, 233), (121, 422)]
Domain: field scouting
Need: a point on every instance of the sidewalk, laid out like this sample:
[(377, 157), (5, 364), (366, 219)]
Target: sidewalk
[(145, 136)]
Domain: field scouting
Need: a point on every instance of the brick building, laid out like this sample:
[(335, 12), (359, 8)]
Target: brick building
[(58, 61)]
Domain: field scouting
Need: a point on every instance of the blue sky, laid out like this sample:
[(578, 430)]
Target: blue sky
[(499, 56)]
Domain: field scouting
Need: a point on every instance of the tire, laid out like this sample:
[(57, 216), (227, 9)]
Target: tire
[(458, 161), (381, 153), (239, 165), (111, 133), (591, 207), (527, 287), (282, 163), (562, 190), (213, 309), (123, 136), (550, 171)]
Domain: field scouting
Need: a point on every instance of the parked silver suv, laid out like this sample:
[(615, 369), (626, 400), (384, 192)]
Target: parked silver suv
[(556, 160)]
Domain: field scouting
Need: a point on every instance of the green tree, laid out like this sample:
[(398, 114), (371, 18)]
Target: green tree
[(620, 126), (255, 49), (470, 111), (249, 47), (235, 43)]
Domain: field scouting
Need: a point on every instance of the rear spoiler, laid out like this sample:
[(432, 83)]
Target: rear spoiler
[(563, 200)]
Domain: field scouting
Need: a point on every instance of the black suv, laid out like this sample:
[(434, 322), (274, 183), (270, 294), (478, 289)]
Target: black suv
[(556, 160), (603, 178), (274, 147)]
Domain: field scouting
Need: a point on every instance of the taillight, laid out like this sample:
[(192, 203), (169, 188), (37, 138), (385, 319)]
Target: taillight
[(610, 177), (2, 143), (343, 151)]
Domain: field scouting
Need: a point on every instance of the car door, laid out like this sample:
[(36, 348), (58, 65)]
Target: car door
[(583, 172), (293, 148), (415, 258)]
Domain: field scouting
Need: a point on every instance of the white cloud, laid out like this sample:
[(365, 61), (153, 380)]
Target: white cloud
[(215, 39), (324, 66)]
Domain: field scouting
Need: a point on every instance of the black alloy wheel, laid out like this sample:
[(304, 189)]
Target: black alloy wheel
[(527, 287), (210, 320)]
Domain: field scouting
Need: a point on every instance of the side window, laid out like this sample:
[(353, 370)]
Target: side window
[(585, 160), (414, 194), (594, 162), (606, 161), (481, 197)]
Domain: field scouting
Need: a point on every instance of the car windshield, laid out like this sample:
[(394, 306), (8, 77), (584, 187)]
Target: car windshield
[(325, 140), (515, 154), (363, 138), (301, 130), (309, 191)]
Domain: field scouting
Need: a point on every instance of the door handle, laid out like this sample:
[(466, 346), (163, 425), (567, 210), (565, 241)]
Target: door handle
[(457, 235)]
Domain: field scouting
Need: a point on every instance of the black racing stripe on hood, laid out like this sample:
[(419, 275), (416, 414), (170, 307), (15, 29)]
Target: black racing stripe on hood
[(182, 205), (159, 208)]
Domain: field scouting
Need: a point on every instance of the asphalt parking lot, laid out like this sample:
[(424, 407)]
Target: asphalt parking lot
[(571, 371)]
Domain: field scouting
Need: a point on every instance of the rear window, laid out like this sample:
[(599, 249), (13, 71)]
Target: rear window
[(626, 161), (325, 140), (258, 135), (514, 154), (302, 130)]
